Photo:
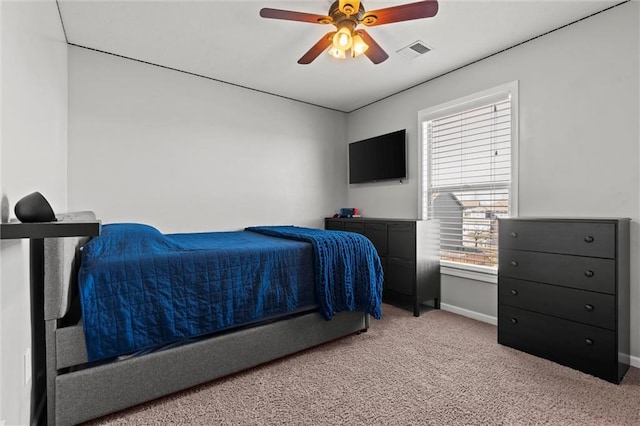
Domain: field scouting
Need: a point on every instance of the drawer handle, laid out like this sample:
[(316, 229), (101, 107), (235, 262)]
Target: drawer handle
[(514, 292), (589, 239), (588, 273), (589, 308), (514, 320), (588, 342), (514, 263), (514, 235)]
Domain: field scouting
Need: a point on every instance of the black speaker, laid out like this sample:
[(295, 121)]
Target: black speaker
[(34, 208)]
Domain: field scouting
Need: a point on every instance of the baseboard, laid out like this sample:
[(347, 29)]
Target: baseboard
[(470, 314), (634, 361)]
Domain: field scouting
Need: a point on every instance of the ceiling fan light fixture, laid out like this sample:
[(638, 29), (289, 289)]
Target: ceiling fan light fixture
[(337, 53), (359, 46)]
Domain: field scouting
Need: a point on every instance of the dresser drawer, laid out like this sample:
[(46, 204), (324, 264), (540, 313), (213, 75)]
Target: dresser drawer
[(586, 348), (577, 238), (377, 233), (333, 225), (357, 227), (586, 273), (400, 276), (583, 306), (402, 240)]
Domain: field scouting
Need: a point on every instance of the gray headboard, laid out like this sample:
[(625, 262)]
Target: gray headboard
[(61, 263)]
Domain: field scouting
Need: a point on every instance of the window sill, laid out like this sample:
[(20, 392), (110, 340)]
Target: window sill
[(472, 272)]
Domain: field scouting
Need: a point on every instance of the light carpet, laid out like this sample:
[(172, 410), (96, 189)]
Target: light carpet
[(438, 369)]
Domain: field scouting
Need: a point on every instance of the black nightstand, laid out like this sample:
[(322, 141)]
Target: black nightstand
[(36, 233)]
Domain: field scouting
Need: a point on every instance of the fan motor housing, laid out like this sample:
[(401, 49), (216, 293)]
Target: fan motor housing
[(341, 19)]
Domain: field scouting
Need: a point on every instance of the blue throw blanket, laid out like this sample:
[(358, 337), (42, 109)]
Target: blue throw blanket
[(347, 268)]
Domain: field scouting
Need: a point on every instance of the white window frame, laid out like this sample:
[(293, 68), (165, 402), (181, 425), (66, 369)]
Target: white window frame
[(475, 272)]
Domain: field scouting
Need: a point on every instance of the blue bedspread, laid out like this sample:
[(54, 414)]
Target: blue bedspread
[(141, 289), (347, 267)]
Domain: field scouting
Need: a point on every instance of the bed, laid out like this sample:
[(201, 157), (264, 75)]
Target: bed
[(101, 357)]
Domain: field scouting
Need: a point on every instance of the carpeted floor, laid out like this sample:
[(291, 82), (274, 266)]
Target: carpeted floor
[(439, 369)]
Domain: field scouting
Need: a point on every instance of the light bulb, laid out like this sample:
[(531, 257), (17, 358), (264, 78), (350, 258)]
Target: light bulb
[(342, 39)]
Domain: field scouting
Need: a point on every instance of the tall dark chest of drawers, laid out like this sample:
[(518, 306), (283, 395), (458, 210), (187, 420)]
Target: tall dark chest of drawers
[(563, 292)]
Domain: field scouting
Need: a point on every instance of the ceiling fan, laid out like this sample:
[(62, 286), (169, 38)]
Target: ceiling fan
[(346, 15)]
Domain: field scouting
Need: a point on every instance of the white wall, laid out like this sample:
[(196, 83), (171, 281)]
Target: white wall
[(579, 136), (33, 158), (185, 153)]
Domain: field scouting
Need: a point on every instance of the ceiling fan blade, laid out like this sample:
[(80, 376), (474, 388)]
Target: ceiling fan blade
[(295, 16), (375, 53), (404, 12), (317, 48)]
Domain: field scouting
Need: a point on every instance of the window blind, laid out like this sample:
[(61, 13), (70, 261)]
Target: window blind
[(467, 167)]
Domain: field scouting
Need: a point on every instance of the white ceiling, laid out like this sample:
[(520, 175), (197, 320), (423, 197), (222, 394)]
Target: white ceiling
[(229, 41)]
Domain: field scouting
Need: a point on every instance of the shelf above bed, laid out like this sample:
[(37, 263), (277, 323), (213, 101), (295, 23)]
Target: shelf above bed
[(76, 228)]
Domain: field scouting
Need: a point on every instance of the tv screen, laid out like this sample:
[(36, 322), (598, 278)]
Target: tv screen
[(380, 158)]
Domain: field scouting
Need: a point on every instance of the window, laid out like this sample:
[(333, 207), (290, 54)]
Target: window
[(468, 151)]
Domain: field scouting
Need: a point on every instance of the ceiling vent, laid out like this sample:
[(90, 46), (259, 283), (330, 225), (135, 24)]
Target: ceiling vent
[(415, 49)]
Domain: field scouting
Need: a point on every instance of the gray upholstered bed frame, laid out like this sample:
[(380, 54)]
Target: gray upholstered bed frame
[(77, 392)]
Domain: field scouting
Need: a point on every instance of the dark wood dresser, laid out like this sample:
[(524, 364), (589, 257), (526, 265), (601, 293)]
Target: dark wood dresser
[(563, 291), (409, 250)]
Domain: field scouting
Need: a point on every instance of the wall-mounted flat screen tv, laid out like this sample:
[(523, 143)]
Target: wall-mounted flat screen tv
[(380, 158)]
